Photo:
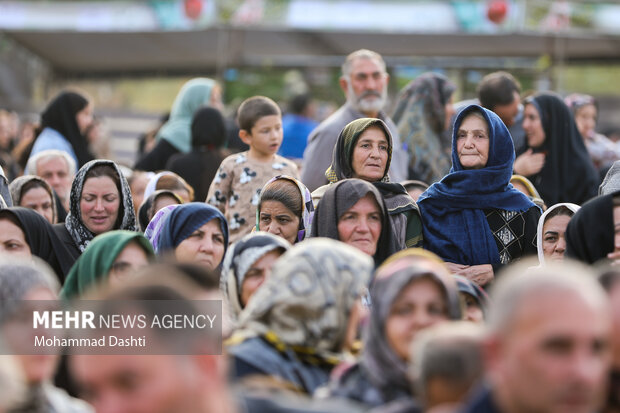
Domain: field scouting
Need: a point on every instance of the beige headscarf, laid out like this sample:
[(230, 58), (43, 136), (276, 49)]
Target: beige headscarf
[(306, 302)]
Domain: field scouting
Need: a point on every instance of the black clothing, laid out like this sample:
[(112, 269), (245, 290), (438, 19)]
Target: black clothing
[(590, 232), (197, 168), (65, 239), (156, 159), (42, 240), (568, 174)]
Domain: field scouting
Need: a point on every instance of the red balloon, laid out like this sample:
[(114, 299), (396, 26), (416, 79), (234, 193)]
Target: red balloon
[(193, 8), (497, 10)]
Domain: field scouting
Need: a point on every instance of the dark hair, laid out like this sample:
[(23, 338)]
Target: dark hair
[(285, 192), (172, 182), (208, 129), (299, 103), (559, 211), (497, 88), (254, 108), (32, 184), (107, 170), (161, 194)]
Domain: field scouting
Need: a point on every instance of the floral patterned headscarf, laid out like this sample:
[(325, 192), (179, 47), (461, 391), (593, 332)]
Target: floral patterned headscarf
[(74, 224)]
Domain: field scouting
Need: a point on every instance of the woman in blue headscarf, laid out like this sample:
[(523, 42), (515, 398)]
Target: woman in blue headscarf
[(473, 218), (195, 232)]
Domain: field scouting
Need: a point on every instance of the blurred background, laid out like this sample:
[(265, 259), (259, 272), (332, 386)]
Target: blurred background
[(132, 57)]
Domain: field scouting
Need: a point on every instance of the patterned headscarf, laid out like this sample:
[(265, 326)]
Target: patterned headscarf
[(307, 207), (576, 101), (95, 263), (239, 258), (420, 115), (342, 158), (17, 186), (74, 224), (305, 304), (155, 226), (383, 367)]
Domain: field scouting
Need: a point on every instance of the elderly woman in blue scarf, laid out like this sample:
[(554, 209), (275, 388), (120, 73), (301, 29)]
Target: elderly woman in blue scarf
[(194, 233), (474, 218)]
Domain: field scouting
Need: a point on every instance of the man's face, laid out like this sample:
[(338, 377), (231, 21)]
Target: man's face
[(138, 384), (55, 172), (509, 111), (366, 86), (556, 356)]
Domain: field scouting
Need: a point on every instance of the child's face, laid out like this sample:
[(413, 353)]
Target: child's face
[(266, 136)]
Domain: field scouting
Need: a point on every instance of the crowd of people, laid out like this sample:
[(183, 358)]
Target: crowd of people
[(447, 258)]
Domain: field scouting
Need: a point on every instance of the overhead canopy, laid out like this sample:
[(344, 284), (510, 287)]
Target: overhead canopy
[(84, 54)]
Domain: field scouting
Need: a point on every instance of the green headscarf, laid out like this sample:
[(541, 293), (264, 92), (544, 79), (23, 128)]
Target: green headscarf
[(95, 262), (178, 130), (341, 167)]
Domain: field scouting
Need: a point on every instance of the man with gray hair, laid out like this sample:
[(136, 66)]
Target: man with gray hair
[(547, 348), (57, 168), (364, 82)]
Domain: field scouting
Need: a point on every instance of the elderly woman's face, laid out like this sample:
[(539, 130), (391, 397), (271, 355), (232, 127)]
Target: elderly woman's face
[(532, 125), (204, 246), (99, 204), (360, 225), (370, 155), (277, 219), (472, 142), (420, 305)]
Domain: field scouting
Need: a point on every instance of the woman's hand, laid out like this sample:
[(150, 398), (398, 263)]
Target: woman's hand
[(529, 163), (480, 274), (456, 268)]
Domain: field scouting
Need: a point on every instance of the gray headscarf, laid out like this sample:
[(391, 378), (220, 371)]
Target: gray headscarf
[(18, 278), (337, 200), (384, 368), (239, 258), (611, 183), (16, 188)]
